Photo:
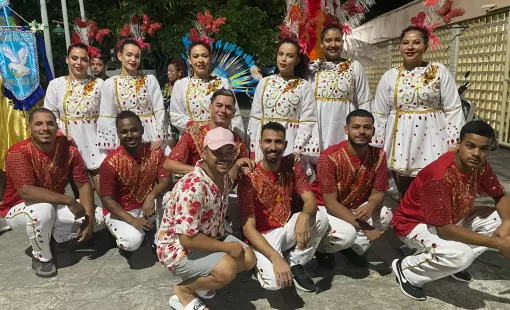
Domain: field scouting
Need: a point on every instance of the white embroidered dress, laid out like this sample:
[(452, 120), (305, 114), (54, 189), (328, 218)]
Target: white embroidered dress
[(76, 107), (290, 103), (418, 115), (191, 99), (139, 94), (338, 89)]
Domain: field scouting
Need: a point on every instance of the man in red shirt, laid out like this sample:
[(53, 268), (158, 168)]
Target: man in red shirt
[(271, 229), (437, 217), (37, 171), (190, 148), (353, 177), (132, 183)]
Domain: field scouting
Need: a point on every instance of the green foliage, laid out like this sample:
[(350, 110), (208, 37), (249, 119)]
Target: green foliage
[(252, 24)]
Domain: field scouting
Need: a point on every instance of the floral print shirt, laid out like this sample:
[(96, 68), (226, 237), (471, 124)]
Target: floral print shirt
[(195, 205)]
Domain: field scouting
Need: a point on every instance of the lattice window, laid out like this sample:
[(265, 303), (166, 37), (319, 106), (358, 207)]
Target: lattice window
[(375, 72), (482, 49)]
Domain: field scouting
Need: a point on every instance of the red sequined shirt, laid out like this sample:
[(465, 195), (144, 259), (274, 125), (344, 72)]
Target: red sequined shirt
[(27, 165), (190, 148), (442, 195), (264, 195), (352, 177), (127, 179)]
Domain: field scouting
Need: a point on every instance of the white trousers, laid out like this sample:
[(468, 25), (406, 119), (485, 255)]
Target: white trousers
[(437, 258), (128, 237), (42, 220), (342, 235), (3, 225), (281, 239)]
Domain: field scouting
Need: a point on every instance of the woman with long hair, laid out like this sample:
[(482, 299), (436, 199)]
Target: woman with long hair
[(191, 96), (417, 109), (286, 98), (134, 91)]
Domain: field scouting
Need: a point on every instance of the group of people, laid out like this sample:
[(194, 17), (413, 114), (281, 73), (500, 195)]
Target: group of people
[(311, 169)]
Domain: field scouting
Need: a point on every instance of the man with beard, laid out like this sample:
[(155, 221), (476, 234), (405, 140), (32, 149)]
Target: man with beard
[(437, 215), (37, 171), (190, 148), (340, 86), (353, 177), (265, 202), (132, 178), (99, 66), (191, 241)]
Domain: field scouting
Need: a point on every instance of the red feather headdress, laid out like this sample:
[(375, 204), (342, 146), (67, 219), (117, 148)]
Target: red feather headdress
[(436, 13), (87, 33), (299, 25), (137, 30), (206, 28)]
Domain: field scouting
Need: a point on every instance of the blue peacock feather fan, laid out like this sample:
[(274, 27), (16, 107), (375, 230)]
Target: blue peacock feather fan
[(231, 62)]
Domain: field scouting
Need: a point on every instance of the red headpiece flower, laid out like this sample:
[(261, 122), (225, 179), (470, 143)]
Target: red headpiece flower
[(87, 33), (435, 14), (299, 25), (206, 28), (137, 30)]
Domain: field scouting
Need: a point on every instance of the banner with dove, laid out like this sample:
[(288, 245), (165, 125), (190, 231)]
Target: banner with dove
[(18, 62)]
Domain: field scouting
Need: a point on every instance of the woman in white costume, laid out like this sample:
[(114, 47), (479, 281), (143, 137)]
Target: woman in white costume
[(75, 101), (340, 87), (288, 99), (417, 110), (191, 96), (134, 91)]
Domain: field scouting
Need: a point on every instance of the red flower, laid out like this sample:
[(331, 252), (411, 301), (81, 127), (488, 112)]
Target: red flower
[(193, 211), (430, 2), (189, 220)]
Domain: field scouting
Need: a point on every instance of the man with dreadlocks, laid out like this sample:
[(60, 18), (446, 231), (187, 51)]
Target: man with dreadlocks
[(265, 202)]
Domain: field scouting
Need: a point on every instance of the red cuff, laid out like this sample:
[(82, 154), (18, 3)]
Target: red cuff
[(189, 123)]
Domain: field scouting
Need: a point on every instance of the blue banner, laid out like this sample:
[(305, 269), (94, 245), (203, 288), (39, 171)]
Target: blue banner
[(18, 62)]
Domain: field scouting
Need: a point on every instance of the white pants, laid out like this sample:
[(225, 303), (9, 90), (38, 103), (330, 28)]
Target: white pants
[(342, 235), (128, 237), (281, 239), (437, 258), (3, 225), (42, 220)]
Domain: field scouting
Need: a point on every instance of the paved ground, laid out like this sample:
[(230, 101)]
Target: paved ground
[(99, 278)]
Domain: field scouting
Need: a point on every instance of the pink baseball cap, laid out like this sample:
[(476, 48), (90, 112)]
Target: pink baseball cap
[(218, 137)]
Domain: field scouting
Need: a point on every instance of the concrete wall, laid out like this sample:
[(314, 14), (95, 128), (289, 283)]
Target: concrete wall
[(389, 25)]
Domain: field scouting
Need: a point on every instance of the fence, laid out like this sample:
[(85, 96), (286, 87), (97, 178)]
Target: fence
[(481, 46)]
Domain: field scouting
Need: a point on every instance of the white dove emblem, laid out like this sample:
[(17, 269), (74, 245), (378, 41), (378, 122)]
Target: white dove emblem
[(18, 62)]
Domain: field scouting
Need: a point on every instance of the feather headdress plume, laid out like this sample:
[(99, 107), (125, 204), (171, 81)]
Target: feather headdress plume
[(206, 27), (137, 30), (436, 13), (88, 33), (299, 25)]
